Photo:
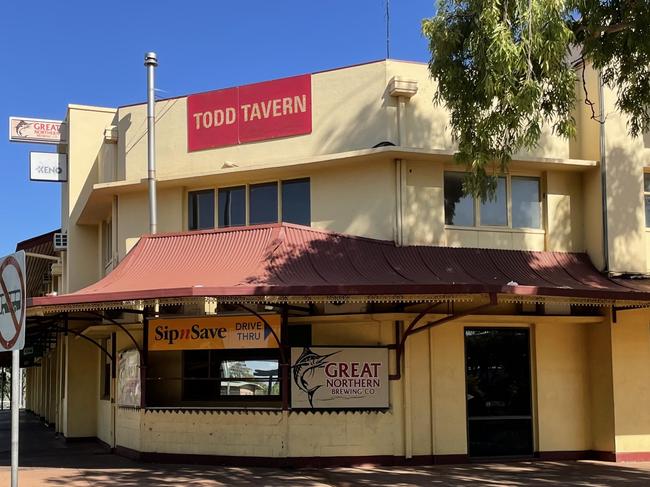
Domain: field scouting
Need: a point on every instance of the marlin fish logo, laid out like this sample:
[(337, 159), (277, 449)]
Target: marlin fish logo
[(21, 126), (304, 370)]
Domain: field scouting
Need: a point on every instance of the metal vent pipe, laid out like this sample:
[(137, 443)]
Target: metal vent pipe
[(151, 62)]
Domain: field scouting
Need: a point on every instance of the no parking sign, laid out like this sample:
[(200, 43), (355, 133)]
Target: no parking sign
[(13, 302)]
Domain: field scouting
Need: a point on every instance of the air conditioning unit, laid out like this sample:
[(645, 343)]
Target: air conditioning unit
[(60, 241)]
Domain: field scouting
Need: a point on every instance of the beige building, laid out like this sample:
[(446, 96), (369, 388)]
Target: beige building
[(315, 292)]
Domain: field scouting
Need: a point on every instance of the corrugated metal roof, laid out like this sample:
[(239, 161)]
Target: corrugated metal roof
[(292, 260), (38, 270)]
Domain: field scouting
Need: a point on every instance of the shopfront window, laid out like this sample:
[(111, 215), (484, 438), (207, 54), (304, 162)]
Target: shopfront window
[(214, 375), (201, 210), (232, 206)]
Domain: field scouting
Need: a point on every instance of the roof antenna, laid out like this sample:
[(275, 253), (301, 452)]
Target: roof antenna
[(387, 29)]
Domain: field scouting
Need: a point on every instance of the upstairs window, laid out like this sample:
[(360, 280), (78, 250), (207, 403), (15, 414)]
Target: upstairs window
[(494, 212), (263, 200), (232, 206), (201, 209), (296, 207), (459, 208), (517, 203), (255, 204), (526, 203)]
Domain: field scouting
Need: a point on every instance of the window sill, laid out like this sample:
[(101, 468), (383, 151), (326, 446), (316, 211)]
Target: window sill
[(538, 231)]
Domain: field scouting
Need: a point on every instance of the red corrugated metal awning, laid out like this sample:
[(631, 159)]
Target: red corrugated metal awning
[(283, 260)]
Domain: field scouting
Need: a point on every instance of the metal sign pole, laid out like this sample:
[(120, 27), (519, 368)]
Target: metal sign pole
[(15, 404)]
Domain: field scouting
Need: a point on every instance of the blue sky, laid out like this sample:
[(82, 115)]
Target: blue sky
[(88, 52)]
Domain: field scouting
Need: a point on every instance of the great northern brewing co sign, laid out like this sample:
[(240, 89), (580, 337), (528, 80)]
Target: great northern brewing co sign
[(39, 130), (339, 378), (213, 332), (261, 111)]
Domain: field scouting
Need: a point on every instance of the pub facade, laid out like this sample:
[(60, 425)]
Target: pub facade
[(321, 291)]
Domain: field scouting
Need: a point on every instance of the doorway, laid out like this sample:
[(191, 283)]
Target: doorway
[(498, 390)]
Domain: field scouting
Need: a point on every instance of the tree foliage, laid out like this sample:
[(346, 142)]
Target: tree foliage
[(505, 68)]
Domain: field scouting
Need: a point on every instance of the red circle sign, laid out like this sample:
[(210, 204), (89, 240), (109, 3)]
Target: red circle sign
[(11, 261)]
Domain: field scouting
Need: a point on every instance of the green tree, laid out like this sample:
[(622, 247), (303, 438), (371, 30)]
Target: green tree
[(505, 68)]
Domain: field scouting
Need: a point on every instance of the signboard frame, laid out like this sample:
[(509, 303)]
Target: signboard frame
[(255, 112), (316, 358), (129, 378), (62, 163), (212, 332), (63, 134)]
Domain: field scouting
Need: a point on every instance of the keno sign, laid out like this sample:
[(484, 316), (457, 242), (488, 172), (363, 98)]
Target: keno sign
[(48, 166), (13, 302), (339, 378), (261, 111)]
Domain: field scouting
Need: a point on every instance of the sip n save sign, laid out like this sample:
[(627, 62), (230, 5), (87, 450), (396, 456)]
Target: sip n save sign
[(13, 302), (261, 111)]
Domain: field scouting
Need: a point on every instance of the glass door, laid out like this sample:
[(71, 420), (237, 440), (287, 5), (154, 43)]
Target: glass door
[(498, 385)]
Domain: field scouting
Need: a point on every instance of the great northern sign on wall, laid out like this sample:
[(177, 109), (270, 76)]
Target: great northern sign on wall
[(339, 378), (38, 130), (261, 111), (213, 333)]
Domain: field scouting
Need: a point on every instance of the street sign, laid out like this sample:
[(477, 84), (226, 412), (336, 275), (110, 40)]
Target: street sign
[(13, 314), (37, 130), (13, 302), (48, 166)]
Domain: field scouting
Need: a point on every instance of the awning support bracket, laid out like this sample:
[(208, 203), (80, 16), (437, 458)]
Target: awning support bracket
[(411, 329)]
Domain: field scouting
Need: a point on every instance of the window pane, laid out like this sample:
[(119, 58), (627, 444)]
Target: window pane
[(495, 212), (296, 202), (249, 378), (263, 203), (646, 182), (201, 210), (459, 209), (232, 206), (196, 364), (647, 210), (237, 369), (526, 203)]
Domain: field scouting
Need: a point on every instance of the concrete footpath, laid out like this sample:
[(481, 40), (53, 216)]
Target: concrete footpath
[(48, 461)]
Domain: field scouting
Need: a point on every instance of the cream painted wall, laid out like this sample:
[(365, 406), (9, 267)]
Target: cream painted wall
[(347, 114), (424, 215), (601, 386), (359, 199), (562, 376), (564, 210), (82, 389), (448, 386), (133, 216), (85, 149), (631, 379), (626, 159)]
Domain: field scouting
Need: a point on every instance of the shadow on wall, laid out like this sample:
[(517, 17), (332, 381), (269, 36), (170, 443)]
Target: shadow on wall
[(626, 225), (376, 122)]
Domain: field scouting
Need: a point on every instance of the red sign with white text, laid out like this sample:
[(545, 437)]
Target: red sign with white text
[(260, 111)]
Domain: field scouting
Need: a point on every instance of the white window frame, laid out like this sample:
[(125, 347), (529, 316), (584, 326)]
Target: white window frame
[(477, 206)]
